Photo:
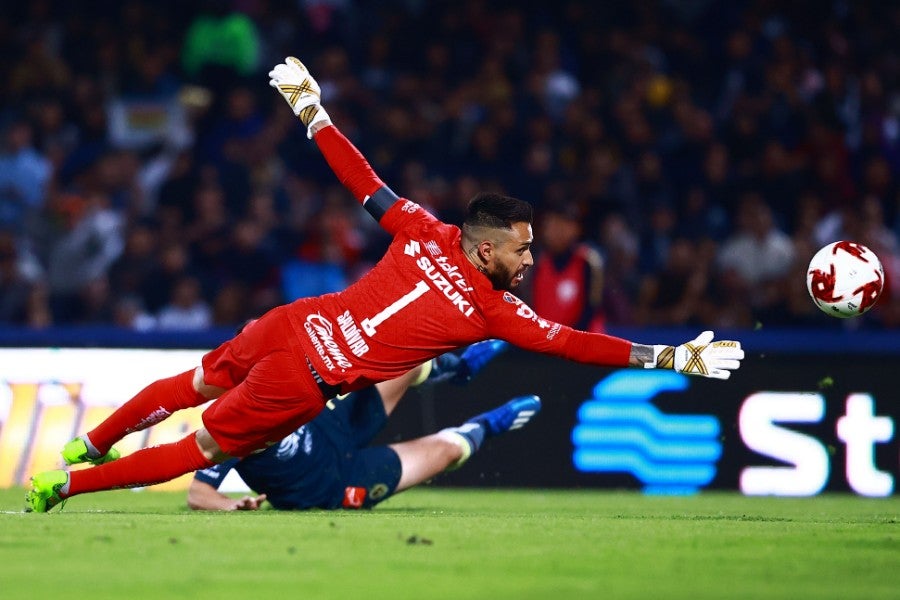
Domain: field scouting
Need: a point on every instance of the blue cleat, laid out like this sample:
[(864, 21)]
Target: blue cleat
[(515, 414), (461, 369)]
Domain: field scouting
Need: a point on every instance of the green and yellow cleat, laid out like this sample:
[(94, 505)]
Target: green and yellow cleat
[(44, 493), (76, 452)]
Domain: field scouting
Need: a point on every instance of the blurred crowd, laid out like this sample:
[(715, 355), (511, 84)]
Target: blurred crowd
[(687, 156)]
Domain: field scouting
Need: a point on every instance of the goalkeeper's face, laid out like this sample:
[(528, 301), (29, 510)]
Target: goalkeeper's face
[(511, 256)]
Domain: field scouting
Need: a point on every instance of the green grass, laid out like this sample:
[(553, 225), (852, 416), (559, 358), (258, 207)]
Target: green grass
[(441, 543)]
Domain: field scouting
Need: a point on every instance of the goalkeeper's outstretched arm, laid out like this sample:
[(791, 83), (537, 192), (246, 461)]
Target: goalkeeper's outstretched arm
[(302, 93), (701, 356)]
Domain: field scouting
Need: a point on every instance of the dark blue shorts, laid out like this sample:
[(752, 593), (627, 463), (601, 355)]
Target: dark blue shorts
[(368, 474), (325, 464)]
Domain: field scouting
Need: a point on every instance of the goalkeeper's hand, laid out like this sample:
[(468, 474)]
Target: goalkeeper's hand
[(700, 356), (302, 93)]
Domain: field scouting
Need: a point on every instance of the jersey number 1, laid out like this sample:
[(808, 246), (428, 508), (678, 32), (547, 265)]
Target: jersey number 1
[(369, 325)]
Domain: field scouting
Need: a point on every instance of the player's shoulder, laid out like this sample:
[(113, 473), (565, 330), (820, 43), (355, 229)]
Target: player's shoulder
[(512, 315), (406, 213), (438, 236)]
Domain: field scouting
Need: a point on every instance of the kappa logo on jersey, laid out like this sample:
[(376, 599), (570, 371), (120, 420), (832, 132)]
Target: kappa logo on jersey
[(352, 334), (410, 207), (320, 332), (526, 312), (433, 248), (412, 248)]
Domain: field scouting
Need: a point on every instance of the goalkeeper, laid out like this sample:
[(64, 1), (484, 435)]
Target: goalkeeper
[(329, 464), (437, 288)]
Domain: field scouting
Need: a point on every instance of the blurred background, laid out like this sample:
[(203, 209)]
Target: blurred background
[(685, 157)]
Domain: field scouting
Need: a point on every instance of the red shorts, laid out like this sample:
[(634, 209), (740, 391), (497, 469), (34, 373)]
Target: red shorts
[(270, 390)]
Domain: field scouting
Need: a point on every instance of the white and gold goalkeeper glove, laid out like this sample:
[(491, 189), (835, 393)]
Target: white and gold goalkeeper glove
[(302, 93), (700, 356)]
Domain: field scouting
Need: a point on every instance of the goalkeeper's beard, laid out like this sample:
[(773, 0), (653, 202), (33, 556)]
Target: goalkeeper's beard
[(504, 279)]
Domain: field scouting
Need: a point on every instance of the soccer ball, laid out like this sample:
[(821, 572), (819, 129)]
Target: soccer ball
[(844, 279)]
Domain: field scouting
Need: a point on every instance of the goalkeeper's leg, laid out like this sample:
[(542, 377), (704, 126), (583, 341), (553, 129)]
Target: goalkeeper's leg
[(150, 406), (148, 466)]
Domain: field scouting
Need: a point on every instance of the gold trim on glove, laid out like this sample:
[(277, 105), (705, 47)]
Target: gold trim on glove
[(666, 358)]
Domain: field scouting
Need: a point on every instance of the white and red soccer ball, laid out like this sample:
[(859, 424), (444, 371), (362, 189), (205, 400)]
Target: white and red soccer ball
[(845, 279)]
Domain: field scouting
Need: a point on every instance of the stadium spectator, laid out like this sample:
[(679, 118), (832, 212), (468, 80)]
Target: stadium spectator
[(25, 176), (567, 284), (41, 68), (700, 220), (186, 310), (657, 237), (173, 265), (15, 287), (90, 241), (796, 310), (674, 294), (754, 261), (133, 271), (129, 313), (329, 462), (619, 245), (278, 374), (220, 44)]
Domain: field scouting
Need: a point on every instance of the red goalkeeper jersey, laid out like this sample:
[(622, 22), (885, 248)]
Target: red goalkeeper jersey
[(421, 299)]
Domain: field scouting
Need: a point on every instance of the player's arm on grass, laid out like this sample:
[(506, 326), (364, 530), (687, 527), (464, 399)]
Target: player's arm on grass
[(204, 494), (515, 322), (302, 93)]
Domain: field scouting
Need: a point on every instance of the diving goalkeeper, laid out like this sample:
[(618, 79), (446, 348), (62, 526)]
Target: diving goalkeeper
[(437, 288)]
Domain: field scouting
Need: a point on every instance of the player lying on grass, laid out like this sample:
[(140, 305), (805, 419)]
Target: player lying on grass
[(329, 464), (437, 288)]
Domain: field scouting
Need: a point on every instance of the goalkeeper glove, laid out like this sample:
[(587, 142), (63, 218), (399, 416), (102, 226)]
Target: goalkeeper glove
[(461, 369), (700, 356), (476, 357), (302, 93)]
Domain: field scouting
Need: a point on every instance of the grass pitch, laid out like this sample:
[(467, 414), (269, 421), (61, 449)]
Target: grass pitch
[(446, 543)]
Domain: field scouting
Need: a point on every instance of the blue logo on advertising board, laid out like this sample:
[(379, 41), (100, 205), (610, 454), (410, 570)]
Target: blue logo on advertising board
[(619, 430)]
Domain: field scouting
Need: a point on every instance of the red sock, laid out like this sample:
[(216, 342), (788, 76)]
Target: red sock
[(150, 406), (155, 464)]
